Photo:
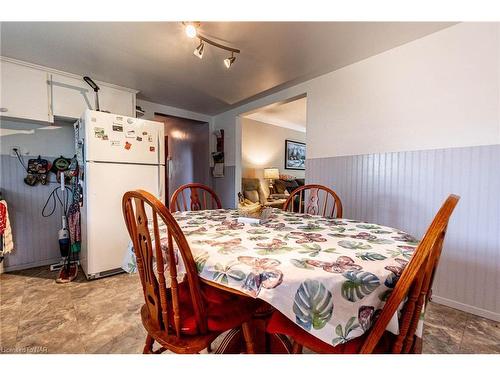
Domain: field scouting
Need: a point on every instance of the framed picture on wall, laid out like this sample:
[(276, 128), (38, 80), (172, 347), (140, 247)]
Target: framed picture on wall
[(295, 155)]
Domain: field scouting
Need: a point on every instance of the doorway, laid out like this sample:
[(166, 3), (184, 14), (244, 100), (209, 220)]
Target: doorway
[(186, 152), (273, 151)]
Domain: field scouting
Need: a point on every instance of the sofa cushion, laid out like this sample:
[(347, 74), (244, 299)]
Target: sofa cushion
[(300, 181), (291, 185), (279, 186), (252, 195), (250, 183)]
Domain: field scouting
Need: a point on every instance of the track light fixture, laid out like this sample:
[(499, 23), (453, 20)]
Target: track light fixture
[(198, 52), (191, 29), (229, 61)]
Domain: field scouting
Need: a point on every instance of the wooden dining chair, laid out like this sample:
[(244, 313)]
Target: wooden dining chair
[(414, 284), (321, 200), (196, 195), (185, 316)]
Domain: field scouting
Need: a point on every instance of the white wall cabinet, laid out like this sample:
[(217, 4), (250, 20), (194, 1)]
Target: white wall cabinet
[(24, 92), (36, 93), (117, 101), (72, 96)]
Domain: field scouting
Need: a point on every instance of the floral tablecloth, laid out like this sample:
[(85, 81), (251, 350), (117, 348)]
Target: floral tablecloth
[(330, 276)]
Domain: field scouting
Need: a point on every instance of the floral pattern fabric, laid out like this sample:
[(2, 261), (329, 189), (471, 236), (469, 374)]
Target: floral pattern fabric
[(331, 277)]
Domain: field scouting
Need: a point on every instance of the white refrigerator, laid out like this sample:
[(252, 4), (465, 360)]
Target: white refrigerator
[(116, 154)]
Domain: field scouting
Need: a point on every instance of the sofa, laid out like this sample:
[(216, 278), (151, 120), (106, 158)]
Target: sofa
[(283, 186), (257, 190)]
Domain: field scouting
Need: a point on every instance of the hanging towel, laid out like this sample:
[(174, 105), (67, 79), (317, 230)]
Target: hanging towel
[(75, 233), (5, 229)]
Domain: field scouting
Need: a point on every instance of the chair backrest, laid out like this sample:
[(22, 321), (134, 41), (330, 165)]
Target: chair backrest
[(160, 300), (314, 200), (193, 197), (414, 284)]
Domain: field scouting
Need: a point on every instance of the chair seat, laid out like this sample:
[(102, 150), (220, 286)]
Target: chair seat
[(279, 323), (224, 310)]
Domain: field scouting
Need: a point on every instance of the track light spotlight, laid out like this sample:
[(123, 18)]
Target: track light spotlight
[(190, 30), (198, 52), (229, 61)]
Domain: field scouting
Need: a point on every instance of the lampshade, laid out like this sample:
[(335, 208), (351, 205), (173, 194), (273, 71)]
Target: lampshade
[(271, 173)]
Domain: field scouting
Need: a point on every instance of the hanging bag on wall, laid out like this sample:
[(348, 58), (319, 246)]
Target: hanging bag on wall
[(61, 166), (38, 170)]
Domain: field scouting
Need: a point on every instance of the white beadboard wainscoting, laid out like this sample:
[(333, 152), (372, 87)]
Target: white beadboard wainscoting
[(225, 186), (35, 237), (405, 189)]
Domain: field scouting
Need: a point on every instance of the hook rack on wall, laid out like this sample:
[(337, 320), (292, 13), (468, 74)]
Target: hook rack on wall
[(218, 156)]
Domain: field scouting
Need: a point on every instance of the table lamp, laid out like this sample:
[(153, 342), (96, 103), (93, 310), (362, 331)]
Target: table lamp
[(271, 174)]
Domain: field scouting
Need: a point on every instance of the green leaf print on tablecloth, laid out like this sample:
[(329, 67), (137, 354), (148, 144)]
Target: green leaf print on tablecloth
[(274, 247), (380, 241), (200, 260), (301, 263), (370, 256), (314, 249), (343, 334), (337, 229), (257, 238), (223, 233), (258, 231), (354, 245), (310, 227), (404, 251), (229, 247), (367, 226), (313, 305), (225, 271), (380, 231), (358, 285)]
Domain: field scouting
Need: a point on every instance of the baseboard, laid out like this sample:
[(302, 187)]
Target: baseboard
[(24, 266), (467, 308)]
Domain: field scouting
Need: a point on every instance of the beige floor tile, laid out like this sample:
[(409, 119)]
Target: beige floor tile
[(103, 316), (481, 336), (443, 329)]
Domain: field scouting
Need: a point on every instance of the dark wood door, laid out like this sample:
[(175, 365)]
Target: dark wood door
[(187, 155)]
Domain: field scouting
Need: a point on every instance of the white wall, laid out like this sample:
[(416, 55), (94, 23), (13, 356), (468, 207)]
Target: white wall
[(37, 139), (150, 108), (438, 92), (263, 146), (442, 90)]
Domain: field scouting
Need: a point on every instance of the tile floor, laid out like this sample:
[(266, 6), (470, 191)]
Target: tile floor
[(102, 316)]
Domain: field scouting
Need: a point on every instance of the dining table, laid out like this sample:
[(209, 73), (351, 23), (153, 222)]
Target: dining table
[(329, 276)]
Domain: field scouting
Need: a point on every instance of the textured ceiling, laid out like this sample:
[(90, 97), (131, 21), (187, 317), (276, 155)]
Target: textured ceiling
[(157, 57)]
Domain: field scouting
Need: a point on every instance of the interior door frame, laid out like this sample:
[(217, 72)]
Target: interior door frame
[(167, 173)]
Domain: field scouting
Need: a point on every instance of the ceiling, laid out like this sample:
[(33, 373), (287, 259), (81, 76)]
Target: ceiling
[(291, 115), (157, 57)]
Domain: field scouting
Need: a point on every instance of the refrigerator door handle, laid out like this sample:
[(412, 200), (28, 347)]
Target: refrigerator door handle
[(160, 188)]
